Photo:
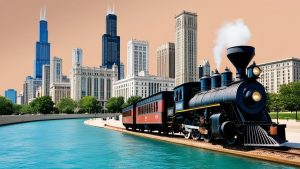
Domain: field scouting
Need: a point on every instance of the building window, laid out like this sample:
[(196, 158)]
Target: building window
[(108, 88), (83, 87), (96, 87), (102, 89), (89, 86)]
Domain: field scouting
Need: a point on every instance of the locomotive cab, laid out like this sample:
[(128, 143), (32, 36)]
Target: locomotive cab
[(183, 94)]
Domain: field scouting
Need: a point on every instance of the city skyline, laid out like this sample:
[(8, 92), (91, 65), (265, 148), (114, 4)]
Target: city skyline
[(272, 24)]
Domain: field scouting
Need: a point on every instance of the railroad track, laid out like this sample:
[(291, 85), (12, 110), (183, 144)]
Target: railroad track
[(284, 150)]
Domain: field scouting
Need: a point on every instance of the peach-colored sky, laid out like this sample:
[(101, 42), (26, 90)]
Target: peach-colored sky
[(275, 27)]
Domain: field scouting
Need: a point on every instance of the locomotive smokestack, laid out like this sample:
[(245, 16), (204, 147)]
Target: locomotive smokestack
[(240, 57)]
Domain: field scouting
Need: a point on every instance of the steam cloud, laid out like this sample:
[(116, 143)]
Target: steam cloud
[(230, 34)]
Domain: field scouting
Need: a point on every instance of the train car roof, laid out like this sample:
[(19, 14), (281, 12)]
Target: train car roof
[(128, 108), (152, 96), (187, 84)]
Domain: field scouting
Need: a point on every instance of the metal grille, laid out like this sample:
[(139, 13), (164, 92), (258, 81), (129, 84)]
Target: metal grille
[(257, 136)]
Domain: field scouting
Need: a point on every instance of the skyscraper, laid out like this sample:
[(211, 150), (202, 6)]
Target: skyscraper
[(122, 73), (20, 98), (46, 80), (30, 88), (137, 57), (111, 42), (55, 70), (77, 57), (26, 90), (42, 51), (185, 48), (11, 94), (204, 69), (166, 60)]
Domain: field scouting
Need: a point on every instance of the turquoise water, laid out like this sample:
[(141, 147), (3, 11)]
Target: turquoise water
[(71, 144)]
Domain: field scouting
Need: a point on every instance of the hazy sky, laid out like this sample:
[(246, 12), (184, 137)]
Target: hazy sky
[(274, 25)]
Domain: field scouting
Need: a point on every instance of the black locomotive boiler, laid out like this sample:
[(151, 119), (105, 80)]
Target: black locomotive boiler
[(222, 108)]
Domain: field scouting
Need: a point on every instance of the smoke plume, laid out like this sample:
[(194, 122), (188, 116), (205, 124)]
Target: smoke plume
[(230, 34)]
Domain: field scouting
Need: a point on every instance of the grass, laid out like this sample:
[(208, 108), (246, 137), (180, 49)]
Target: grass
[(285, 115)]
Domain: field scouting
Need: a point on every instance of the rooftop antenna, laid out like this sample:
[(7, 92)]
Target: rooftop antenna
[(43, 14)]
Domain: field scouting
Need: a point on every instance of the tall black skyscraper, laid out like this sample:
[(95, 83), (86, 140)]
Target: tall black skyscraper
[(42, 49), (111, 42)]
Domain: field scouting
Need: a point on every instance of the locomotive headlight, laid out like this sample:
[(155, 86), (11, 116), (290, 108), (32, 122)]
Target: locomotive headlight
[(256, 71), (256, 96)]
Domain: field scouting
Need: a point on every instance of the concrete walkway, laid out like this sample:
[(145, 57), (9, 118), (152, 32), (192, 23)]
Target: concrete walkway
[(292, 132), (99, 122)]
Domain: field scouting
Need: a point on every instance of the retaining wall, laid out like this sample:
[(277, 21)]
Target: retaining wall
[(13, 119)]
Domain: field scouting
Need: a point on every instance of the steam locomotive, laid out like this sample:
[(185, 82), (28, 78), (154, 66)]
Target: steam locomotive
[(215, 108)]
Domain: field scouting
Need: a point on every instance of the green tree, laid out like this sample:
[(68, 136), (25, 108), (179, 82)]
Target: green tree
[(66, 105), (6, 106), (89, 104), (290, 96), (27, 109), (115, 104), (17, 108), (274, 103), (42, 105), (133, 99)]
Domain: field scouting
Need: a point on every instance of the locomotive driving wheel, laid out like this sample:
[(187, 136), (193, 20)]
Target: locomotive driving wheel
[(231, 141), (196, 135), (187, 134), (208, 137)]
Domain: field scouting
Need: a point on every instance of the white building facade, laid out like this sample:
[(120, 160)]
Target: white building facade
[(93, 81), (143, 86), (20, 98), (279, 72), (55, 70), (76, 56), (34, 89), (185, 48), (59, 91), (137, 57)]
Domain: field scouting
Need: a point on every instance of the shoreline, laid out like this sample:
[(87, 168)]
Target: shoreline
[(254, 154)]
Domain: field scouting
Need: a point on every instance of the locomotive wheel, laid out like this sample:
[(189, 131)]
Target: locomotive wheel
[(187, 135), (231, 141), (196, 135), (196, 122), (209, 137)]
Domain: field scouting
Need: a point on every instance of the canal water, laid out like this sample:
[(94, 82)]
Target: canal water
[(71, 144)]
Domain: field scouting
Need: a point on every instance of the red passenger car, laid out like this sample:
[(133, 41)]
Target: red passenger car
[(151, 112), (128, 117)]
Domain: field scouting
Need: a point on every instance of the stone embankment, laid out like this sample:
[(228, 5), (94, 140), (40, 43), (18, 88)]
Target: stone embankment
[(13, 119)]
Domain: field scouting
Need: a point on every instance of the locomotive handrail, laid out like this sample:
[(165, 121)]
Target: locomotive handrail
[(200, 107)]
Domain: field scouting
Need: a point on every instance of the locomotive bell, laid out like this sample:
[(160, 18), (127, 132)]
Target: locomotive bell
[(240, 56)]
